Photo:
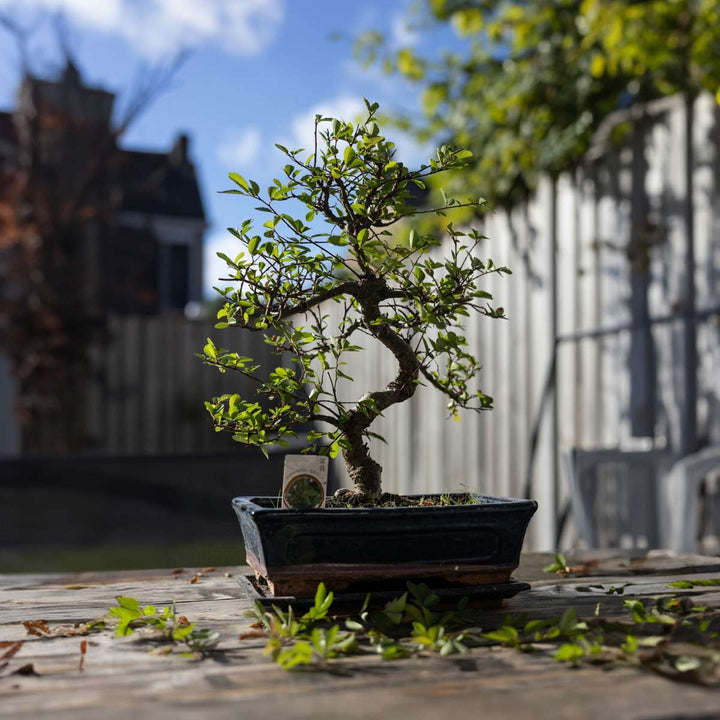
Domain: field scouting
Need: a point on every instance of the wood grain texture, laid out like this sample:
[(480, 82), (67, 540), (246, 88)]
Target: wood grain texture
[(121, 679)]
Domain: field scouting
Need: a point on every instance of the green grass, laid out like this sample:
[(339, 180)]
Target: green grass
[(121, 557)]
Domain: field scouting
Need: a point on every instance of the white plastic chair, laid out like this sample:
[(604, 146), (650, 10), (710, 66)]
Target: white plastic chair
[(615, 496), (682, 489)]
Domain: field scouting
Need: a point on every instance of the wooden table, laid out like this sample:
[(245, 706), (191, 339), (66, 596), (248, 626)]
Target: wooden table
[(121, 679)]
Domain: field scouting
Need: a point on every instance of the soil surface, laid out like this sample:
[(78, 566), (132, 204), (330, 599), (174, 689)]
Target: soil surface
[(347, 499), (350, 499)]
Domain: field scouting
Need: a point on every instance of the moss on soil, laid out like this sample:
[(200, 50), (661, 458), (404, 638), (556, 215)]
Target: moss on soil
[(392, 500)]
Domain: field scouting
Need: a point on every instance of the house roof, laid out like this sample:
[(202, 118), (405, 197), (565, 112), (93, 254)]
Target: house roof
[(159, 183), (148, 182)]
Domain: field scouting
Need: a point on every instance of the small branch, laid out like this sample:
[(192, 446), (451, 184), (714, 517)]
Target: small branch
[(446, 391), (348, 287)]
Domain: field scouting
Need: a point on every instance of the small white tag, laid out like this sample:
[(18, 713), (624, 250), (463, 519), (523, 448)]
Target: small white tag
[(304, 481)]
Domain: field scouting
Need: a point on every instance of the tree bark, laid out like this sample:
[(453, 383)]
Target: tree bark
[(364, 472)]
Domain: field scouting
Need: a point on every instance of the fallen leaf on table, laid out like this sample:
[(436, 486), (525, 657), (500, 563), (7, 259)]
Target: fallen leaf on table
[(37, 627), (13, 646), (583, 568)]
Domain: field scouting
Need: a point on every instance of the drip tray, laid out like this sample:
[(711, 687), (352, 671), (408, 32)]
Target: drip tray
[(352, 599)]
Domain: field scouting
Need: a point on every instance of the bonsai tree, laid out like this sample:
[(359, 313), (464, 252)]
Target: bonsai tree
[(352, 243)]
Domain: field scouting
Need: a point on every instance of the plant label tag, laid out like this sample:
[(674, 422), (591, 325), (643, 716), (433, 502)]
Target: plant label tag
[(304, 481)]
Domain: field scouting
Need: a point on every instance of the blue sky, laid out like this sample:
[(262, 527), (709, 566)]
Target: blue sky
[(259, 71)]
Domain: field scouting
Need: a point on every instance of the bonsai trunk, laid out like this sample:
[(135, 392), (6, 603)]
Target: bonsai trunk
[(364, 472)]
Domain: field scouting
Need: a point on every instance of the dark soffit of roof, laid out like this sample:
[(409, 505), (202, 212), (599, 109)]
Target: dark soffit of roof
[(7, 128), (151, 182), (156, 183)]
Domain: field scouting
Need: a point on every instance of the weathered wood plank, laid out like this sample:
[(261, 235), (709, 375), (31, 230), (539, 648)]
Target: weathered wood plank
[(121, 678)]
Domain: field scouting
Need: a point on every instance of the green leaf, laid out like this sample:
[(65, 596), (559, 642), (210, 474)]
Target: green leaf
[(506, 634), (320, 595), (239, 180), (409, 64), (211, 352), (129, 603), (393, 651), (468, 21), (630, 645), (681, 584), (568, 620), (349, 155), (569, 652), (181, 633), (252, 244), (301, 653), (701, 582), (559, 564), (397, 605)]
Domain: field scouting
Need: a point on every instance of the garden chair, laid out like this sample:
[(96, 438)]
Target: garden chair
[(682, 491), (615, 496)]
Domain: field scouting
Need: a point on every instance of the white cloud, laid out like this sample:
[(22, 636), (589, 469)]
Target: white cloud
[(158, 27), (242, 150), (344, 107), (402, 33)]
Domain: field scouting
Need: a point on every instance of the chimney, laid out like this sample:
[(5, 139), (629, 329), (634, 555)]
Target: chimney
[(71, 74), (179, 152)]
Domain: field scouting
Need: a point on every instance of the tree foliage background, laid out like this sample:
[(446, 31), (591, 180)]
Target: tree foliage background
[(530, 82)]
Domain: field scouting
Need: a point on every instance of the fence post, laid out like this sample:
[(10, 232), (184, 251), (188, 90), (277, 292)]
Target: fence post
[(643, 370), (688, 439), (554, 422)]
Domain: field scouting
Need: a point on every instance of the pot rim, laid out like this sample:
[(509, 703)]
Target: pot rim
[(248, 504)]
